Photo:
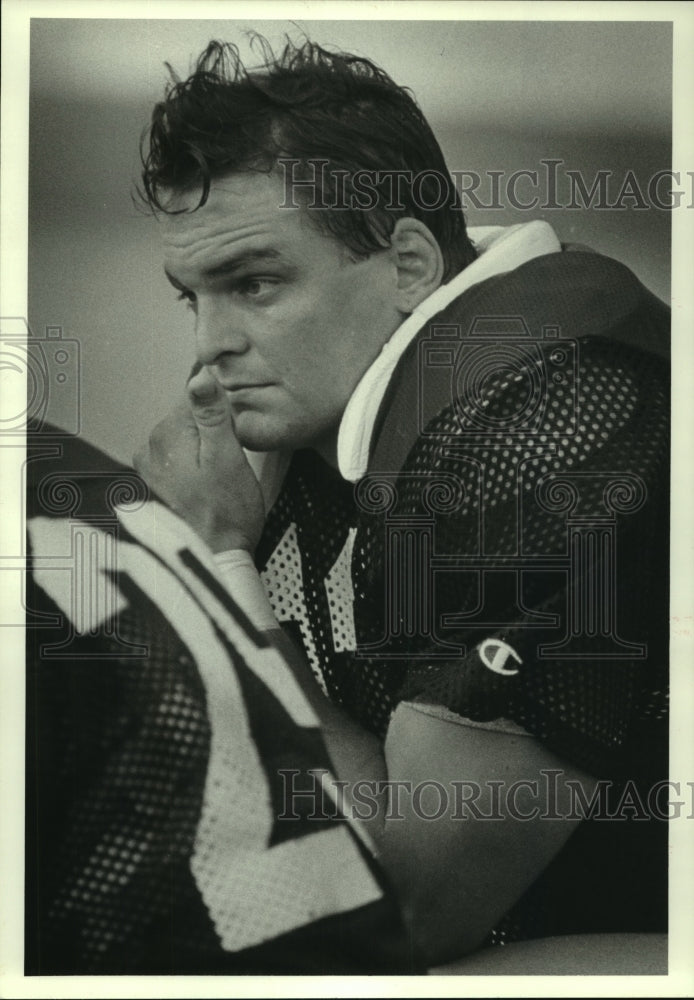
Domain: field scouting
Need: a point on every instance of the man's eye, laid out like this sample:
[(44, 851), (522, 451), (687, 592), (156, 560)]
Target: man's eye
[(257, 287), (188, 298)]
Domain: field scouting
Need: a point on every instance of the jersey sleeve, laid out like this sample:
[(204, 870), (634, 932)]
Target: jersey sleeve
[(543, 550)]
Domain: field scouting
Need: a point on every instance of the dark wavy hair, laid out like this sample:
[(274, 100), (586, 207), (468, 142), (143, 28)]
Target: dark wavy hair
[(305, 105)]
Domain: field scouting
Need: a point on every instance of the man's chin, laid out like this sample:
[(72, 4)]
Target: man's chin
[(259, 433)]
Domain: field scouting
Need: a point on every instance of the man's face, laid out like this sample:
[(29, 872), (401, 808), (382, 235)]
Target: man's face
[(284, 320)]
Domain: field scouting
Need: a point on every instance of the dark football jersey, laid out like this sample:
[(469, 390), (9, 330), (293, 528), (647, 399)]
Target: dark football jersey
[(515, 506), (168, 745)]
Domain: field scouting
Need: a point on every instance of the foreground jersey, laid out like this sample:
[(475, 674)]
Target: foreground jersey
[(504, 559), (168, 744)]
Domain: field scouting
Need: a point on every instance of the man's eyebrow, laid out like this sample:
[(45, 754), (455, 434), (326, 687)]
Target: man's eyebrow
[(233, 264)]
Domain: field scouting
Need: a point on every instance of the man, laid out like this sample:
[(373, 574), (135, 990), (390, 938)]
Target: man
[(467, 494)]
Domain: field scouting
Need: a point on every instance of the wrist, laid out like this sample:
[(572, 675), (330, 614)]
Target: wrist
[(221, 536), (230, 541)]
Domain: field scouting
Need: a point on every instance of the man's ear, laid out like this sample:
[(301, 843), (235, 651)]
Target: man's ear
[(419, 263)]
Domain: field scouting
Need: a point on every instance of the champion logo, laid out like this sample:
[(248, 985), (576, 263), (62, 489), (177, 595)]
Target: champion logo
[(495, 654)]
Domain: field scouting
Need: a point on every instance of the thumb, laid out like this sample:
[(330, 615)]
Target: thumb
[(211, 410), (209, 403)]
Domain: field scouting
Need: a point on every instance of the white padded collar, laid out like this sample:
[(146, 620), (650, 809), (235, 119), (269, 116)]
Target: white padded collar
[(501, 249)]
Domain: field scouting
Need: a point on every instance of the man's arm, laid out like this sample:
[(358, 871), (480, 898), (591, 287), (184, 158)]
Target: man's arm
[(458, 876), (455, 875)]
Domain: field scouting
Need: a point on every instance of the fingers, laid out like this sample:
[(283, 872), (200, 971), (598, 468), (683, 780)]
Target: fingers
[(211, 411), (209, 404), (194, 463), (200, 430)]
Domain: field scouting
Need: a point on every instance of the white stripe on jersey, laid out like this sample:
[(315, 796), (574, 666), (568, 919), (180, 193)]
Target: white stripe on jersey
[(253, 893)]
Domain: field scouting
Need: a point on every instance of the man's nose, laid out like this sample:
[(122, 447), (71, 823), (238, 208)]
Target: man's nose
[(217, 333)]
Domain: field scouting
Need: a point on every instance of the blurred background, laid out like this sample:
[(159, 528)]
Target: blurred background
[(501, 96)]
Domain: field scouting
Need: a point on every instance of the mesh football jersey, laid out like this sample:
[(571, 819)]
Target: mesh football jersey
[(168, 745), (516, 496)]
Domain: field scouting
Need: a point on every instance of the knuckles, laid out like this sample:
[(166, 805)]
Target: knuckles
[(177, 425)]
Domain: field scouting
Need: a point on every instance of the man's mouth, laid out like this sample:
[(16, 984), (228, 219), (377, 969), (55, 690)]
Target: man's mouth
[(242, 386)]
